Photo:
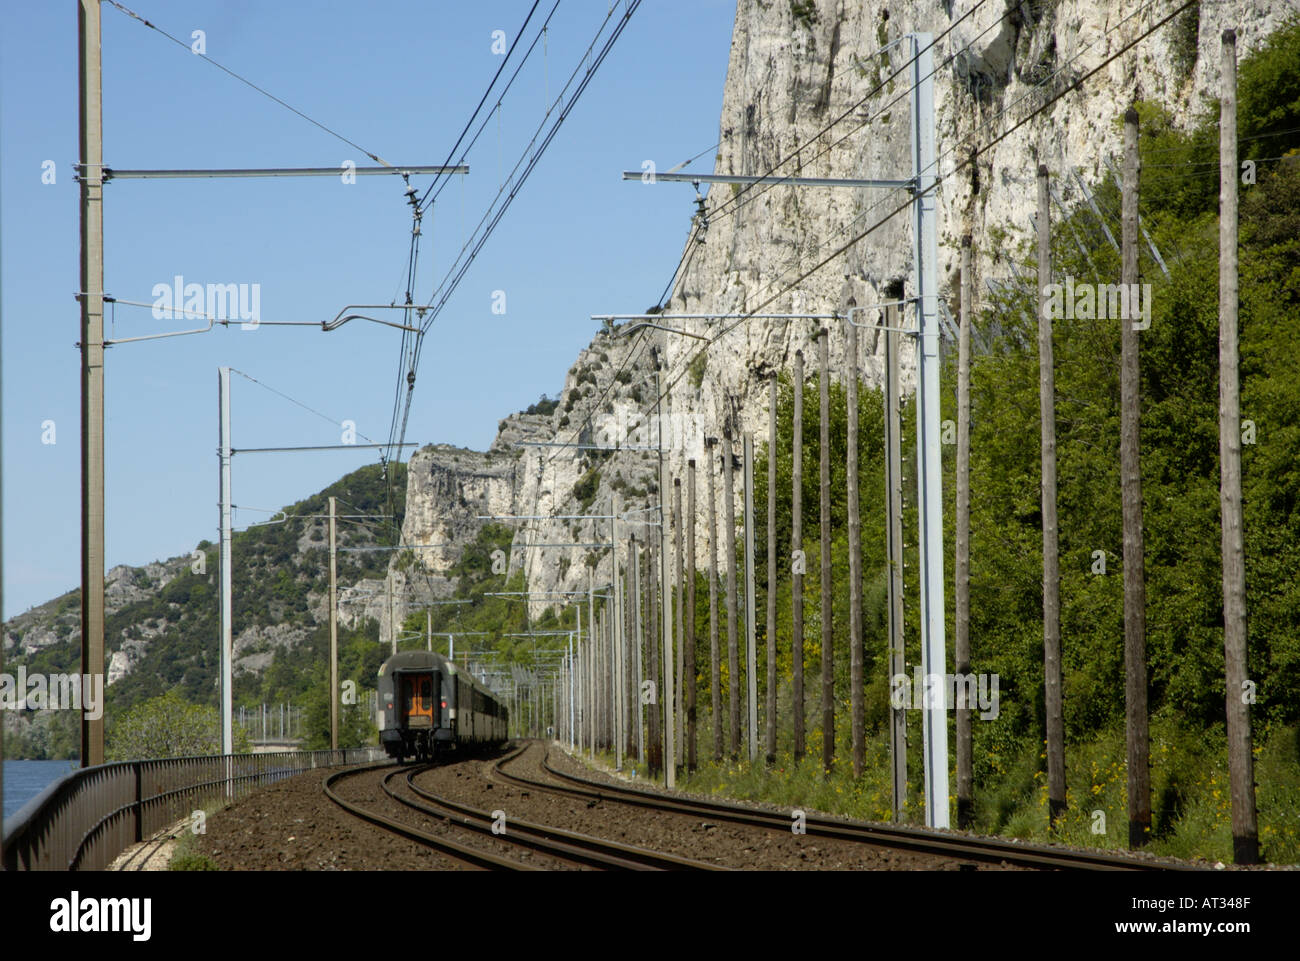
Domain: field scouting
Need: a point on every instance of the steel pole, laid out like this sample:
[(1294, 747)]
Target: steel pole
[(334, 631), (929, 460), (223, 391)]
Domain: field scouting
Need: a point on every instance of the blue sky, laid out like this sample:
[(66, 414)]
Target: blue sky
[(398, 78)]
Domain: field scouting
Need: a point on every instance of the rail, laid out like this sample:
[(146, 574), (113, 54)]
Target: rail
[(88, 817)]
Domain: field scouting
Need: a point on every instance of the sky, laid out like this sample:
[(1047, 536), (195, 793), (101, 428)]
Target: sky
[(398, 79)]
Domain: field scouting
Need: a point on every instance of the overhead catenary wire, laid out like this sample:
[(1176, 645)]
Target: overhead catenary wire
[(971, 158), (740, 198), (293, 400), (244, 80), (425, 200), (431, 310)]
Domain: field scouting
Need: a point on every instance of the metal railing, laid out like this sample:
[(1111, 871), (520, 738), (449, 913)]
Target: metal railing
[(87, 818)]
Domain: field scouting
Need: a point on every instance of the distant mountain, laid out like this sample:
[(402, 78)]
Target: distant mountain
[(163, 622)]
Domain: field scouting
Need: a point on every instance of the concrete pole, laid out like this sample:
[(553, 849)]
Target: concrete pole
[(334, 629), (638, 637), (580, 682), (961, 587), (771, 571), (227, 735), (680, 589), (670, 707), (689, 640), (857, 719), (797, 561), (733, 657), (894, 539), (1245, 829), (616, 626), (653, 642), (392, 628), (715, 672), (751, 640), (591, 661), (92, 370)]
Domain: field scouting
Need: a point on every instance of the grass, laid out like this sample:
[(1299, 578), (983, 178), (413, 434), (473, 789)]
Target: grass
[(1190, 797), (187, 857)]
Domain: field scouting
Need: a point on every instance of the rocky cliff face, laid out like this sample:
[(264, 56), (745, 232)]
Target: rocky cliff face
[(794, 68)]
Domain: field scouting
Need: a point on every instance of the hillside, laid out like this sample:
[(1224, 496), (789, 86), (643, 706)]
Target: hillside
[(162, 626)]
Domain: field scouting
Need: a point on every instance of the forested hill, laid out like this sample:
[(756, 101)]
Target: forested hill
[(162, 621)]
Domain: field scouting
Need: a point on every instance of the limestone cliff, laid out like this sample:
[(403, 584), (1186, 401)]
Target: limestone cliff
[(794, 68)]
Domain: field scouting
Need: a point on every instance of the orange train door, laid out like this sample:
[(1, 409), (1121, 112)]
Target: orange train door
[(418, 700)]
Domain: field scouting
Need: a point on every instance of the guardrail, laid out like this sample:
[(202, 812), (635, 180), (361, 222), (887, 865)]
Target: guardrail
[(90, 816)]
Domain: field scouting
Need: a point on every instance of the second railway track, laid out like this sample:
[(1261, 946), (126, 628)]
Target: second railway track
[(962, 848), (564, 846)]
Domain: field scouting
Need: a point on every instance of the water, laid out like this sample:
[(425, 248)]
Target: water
[(26, 779)]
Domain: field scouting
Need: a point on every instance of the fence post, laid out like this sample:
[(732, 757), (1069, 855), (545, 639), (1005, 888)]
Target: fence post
[(139, 803)]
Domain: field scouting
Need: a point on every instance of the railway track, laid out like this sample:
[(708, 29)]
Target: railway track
[(966, 849), (564, 846), (454, 849)]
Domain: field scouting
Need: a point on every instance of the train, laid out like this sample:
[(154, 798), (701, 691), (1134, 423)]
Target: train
[(428, 706)]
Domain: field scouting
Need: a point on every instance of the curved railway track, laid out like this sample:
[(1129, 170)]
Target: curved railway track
[(457, 851), (565, 846), (986, 850)]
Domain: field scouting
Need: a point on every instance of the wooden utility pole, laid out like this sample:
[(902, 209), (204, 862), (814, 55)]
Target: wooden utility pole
[(1130, 461), (797, 561), (857, 721), (825, 578), (894, 540), (334, 632), (689, 640), (1051, 558), (92, 366), (771, 570), (680, 612), (961, 640), (1245, 831), (733, 657), (715, 671)]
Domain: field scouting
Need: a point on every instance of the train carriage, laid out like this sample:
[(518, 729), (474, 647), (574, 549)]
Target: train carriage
[(427, 706)]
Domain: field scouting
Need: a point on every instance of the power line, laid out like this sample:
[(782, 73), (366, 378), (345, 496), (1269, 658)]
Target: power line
[(278, 393), (266, 93), (426, 201), (970, 159), (450, 283)]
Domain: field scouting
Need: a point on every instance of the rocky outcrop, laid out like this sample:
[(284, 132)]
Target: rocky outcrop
[(794, 69)]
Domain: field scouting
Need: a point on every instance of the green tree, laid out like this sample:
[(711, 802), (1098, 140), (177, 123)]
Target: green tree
[(169, 726)]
